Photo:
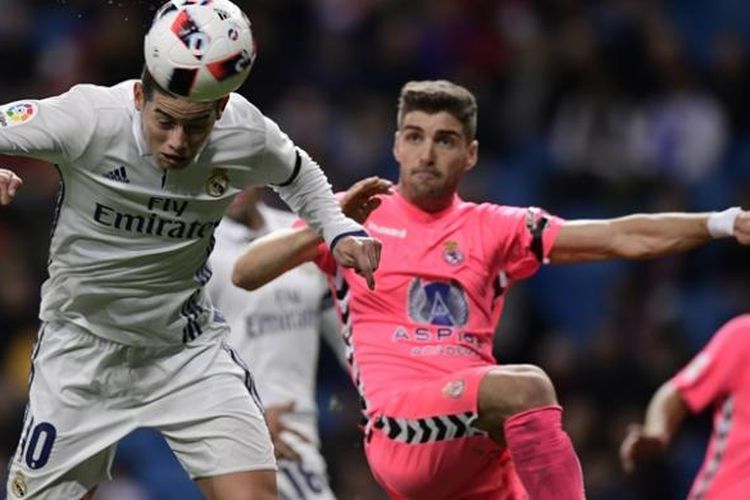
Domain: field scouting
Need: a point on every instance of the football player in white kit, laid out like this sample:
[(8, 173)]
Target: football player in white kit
[(277, 330), (129, 337)]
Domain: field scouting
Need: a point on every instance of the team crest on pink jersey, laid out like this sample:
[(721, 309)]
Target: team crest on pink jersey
[(454, 389), (451, 253)]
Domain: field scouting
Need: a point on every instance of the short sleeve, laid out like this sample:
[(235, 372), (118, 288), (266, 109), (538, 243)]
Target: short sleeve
[(520, 239), (712, 373)]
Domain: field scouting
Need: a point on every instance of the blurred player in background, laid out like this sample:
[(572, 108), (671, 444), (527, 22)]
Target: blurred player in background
[(277, 329), (718, 376), (129, 338), (444, 421)]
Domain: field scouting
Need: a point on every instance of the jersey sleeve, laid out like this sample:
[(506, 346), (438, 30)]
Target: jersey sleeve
[(520, 239), (56, 129), (303, 186), (712, 373)]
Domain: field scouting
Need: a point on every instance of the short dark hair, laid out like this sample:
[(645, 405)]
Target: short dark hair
[(434, 96), (150, 85)]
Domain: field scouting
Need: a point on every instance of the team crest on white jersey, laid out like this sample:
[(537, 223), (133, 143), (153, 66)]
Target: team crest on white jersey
[(18, 485), (218, 183), (451, 253), (17, 113)]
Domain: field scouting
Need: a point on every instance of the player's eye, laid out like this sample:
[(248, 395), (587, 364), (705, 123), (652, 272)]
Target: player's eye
[(165, 124), (413, 138), (446, 141), (196, 128)]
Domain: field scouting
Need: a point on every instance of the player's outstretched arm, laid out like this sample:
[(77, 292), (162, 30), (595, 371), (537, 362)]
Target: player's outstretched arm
[(643, 443), (274, 254), (9, 184), (643, 236)]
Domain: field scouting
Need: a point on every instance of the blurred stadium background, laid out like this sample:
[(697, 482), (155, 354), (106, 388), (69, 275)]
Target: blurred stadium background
[(587, 108)]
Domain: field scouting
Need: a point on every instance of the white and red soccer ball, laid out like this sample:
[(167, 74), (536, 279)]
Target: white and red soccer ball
[(199, 49)]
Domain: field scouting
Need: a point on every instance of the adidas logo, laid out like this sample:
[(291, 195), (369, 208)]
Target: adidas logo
[(119, 174)]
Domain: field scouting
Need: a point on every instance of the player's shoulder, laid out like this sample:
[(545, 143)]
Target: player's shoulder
[(739, 326), (241, 113), (99, 97), (484, 210)]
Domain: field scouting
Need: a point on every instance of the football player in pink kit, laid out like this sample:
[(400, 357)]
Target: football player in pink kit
[(718, 376), (442, 419)]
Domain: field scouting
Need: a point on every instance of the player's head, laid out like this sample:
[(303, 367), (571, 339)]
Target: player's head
[(174, 127), (197, 52), (435, 141)]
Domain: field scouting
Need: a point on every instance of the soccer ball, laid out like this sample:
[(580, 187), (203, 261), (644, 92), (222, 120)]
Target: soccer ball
[(199, 49)]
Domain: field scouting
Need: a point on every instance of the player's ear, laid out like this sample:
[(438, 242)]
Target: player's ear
[(139, 98), (472, 155), (221, 106), (395, 145)]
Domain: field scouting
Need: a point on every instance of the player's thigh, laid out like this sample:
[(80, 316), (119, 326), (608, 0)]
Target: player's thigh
[(306, 478), (423, 444), (71, 423), (211, 416)]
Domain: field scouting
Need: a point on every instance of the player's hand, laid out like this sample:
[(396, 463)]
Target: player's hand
[(742, 227), (276, 427), (9, 183), (639, 447), (361, 254), (362, 197)]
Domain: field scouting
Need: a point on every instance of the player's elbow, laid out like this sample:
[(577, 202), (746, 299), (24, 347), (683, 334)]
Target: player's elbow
[(244, 278)]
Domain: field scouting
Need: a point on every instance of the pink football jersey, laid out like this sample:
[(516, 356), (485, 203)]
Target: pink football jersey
[(720, 376), (439, 291)]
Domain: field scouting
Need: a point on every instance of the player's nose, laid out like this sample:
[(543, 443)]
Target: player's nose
[(178, 140), (427, 153)]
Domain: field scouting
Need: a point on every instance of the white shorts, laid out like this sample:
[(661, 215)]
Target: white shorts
[(87, 393), (306, 479)]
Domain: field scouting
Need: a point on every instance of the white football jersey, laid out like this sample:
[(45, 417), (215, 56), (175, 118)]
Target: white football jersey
[(130, 243), (277, 328)]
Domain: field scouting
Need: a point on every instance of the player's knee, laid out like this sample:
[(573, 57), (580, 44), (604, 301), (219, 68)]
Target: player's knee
[(516, 389)]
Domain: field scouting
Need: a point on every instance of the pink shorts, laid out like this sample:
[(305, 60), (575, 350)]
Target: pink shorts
[(421, 444)]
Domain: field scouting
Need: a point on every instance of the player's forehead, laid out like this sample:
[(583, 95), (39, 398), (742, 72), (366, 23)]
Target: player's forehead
[(180, 108), (431, 123)]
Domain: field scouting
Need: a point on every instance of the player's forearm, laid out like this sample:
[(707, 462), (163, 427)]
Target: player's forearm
[(271, 256), (640, 236), (665, 413), (310, 196)]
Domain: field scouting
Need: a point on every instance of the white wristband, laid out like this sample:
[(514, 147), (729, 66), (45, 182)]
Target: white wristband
[(721, 224)]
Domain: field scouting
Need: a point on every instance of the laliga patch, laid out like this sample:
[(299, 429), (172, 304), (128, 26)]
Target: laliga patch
[(451, 253), (454, 389), (18, 485), (218, 183), (17, 113)]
